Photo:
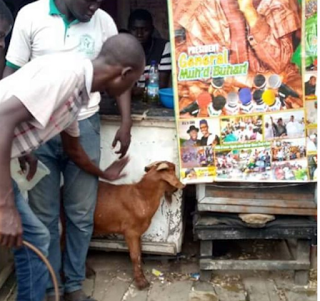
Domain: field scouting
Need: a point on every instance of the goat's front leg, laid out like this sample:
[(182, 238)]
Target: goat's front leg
[(133, 242)]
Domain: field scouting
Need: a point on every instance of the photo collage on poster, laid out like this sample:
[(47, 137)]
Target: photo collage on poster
[(310, 87), (246, 104)]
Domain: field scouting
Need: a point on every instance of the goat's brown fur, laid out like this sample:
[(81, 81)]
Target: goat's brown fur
[(128, 209)]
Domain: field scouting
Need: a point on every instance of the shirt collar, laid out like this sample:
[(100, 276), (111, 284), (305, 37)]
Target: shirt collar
[(53, 10)]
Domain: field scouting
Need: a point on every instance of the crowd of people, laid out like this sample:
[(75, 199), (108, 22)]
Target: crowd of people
[(286, 151), (289, 171), (242, 130), (197, 157), (282, 129), (241, 163)]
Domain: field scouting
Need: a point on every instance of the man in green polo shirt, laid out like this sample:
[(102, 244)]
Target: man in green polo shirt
[(79, 27)]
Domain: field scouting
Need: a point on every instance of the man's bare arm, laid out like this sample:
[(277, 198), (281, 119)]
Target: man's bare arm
[(12, 113), (123, 135), (8, 71), (77, 154)]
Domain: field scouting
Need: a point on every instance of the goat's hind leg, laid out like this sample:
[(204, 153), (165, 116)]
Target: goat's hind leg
[(134, 244)]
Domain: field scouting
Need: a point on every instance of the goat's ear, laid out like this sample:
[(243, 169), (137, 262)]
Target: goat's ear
[(163, 166), (171, 178), (148, 167)]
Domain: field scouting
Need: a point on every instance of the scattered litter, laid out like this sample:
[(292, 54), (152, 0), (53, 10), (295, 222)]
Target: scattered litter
[(195, 276), (158, 274)]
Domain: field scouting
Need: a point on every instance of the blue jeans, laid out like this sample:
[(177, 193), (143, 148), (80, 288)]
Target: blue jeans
[(79, 200), (32, 274)]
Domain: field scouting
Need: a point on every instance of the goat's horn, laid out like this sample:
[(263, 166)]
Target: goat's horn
[(163, 166)]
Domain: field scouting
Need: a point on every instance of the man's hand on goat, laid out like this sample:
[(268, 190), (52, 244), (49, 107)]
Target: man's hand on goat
[(114, 171)]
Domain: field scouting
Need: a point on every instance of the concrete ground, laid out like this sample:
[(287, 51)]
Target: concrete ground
[(113, 282)]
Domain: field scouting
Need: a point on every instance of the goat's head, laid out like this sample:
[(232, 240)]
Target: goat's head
[(166, 171)]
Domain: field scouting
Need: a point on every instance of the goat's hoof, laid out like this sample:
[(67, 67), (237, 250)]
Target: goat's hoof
[(142, 283)]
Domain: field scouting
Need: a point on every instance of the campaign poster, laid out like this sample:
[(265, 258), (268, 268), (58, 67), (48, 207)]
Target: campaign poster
[(245, 95)]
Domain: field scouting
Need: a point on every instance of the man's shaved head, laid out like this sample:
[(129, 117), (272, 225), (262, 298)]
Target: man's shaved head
[(119, 65), (125, 50)]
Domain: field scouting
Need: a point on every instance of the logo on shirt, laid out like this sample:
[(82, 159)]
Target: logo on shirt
[(86, 45)]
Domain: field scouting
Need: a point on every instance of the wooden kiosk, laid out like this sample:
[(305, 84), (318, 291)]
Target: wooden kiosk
[(294, 206)]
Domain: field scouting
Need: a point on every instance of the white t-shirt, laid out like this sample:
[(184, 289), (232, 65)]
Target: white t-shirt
[(268, 132), (40, 29), (53, 88), (293, 129), (311, 146)]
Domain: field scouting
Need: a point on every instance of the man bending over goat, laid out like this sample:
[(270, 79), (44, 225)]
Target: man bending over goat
[(39, 101)]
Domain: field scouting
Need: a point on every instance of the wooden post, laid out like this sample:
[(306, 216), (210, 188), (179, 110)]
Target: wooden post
[(301, 277), (205, 252)]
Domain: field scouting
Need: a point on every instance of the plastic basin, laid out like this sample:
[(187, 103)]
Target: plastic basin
[(166, 97)]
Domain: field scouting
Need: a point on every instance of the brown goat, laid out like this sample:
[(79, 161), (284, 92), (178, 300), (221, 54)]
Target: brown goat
[(128, 209)]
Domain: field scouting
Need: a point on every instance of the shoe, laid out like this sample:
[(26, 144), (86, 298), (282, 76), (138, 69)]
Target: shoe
[(53, 298), (77, 296)]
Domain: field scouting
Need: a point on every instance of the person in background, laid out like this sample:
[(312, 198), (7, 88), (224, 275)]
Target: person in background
[(6, 23), (230, 136), (193, 133), (268, 131), (293, 128), (140, 24), (242, 134), (216, 141), (312, 143), (279, 129), (310, 86), (78, 27), (207, 138), (29, 117), (190, 174)]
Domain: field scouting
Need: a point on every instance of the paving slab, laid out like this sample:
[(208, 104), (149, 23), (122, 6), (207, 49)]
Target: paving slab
[(293, 296), (177, 291), (116, 289), (101, 282), (230, 294), (203, 296), (133, 294), (89, 287), (229, 287), (261, 289), (203, 286)]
